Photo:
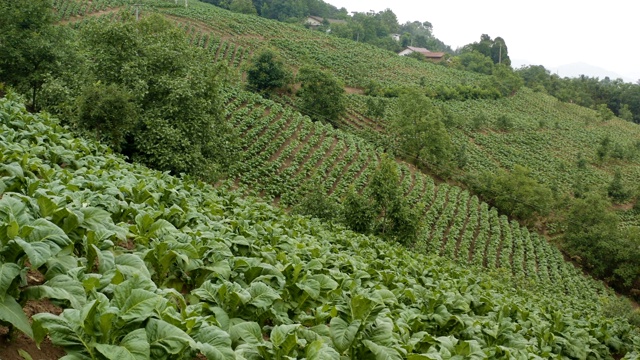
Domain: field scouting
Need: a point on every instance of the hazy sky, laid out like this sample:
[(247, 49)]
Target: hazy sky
[(605, 34)]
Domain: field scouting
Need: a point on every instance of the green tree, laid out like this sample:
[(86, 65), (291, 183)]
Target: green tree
[(267, 72), (316, 203), (516, 193), (243, 6), (358, 212), (625, 113), (473, 61), (604, 149), (480, 121), (396, 220), (321, 95), (109, 111), (604, 113), (494, 49), (616, 189), (30, 46), (504, 122), (505, 80), (419, 132), (499, 52), (591, 228), (178, 123)]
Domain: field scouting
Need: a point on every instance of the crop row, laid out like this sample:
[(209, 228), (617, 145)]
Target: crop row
[(283, 151), (146, 265)]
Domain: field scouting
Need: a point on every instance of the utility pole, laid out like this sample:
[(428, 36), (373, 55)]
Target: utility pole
[(137, 6), (500, 58)]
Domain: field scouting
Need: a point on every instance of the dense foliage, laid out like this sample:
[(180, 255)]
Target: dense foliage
[(321, 95), (146, 265), (518, 129), (267, 73), (31, 46), (495, 49), (142, 88), (620, 97), (419, 132)]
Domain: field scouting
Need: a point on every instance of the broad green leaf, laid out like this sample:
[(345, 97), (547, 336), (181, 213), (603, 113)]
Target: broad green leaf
[(207, 292), (25, 355), (130, 265), (76, 356), (95, 219), (220, 268), (214, 343), (47, 206), (134, 346), (262, 295), (382, 332), (166, 339), (343, 334), (61, 264), (325, 281), (384, 296), (122, 291), (249, 332), (8, 273), (13, 169), (61, 332), (311, 287), (314, 264), (37, 252), (423, 357), (284, 337), (43, 230), (361, 307), (61, 287), (13, 212), (470, 349), (382, 352), (139, 306), (318, 350), (448, 342), (11, 312)]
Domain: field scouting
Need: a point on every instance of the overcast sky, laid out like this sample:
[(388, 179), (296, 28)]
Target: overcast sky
[(605, 34)]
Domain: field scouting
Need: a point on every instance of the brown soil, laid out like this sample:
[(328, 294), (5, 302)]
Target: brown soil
[(9, 347), (623, 207), (352, 90), (99, 13)]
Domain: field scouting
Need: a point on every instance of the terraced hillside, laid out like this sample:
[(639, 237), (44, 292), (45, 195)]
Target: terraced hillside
[(284, 151), (141, 264), (548, 136)]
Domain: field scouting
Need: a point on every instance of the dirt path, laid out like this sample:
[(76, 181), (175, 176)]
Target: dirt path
[(75, 19)]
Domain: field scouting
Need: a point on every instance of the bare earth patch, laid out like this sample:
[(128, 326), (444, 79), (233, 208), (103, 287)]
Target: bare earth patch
[(9, 347)]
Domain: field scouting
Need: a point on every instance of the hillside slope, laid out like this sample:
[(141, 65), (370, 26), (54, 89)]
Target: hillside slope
[(146, 264), (548, 136), (284, 151)]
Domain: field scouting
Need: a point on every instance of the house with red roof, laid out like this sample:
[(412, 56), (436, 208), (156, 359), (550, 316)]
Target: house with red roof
[(436, 56)]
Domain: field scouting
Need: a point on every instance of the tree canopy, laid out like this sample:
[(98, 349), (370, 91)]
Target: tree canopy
[(321, 95), (418, 130), (30, 45), (267, 73)]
